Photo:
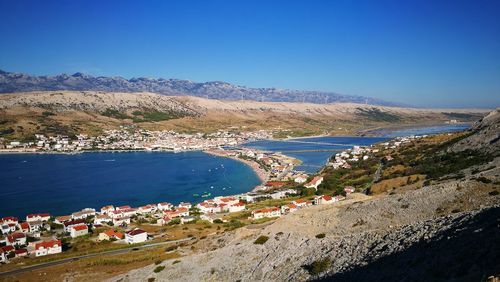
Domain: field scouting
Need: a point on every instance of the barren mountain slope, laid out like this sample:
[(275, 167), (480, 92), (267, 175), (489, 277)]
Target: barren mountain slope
[(22, 114)]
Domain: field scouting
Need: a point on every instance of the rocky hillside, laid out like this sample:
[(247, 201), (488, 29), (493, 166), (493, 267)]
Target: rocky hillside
[(17, 82), (486, 135), (22, 114)]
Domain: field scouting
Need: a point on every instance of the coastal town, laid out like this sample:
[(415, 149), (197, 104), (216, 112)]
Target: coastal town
[(127, 139), (43, 234)]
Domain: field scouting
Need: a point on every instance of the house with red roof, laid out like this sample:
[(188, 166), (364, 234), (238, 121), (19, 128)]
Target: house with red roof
[(185, 205), (62, 219), (48, 248), (107, 209), (300, 203), (323, 200), (9, 219), (164, 206), (35, 226), (314, 183), (102, 219), (266, 212), (136, 236), (122, 208), (289, 208), (121, 221), (111, 234), (171, 214), (21, 253), (16, 239), (237, 207), (37, 217), (78, 230), (183, 211), (24, 227), (70, 224)]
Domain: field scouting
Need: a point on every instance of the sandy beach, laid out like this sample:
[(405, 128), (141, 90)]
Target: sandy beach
[(261, 173)]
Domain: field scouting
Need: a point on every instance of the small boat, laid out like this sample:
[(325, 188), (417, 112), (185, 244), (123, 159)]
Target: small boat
[(196, 195), (205, 195)]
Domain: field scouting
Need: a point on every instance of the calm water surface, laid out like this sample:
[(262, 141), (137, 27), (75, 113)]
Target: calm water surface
[(60, 184)]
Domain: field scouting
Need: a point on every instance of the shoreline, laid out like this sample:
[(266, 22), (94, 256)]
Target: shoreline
[(260, 172)]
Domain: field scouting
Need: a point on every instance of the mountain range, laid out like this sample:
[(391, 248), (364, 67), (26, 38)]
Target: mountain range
[(19, 82)]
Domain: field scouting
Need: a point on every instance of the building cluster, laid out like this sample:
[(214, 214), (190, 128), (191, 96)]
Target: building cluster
[(342, 159), (293, 206), (134, 139)]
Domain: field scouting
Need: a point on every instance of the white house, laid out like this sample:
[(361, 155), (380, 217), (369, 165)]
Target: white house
[(48, 248), (16, 239), (186, 219), (69, 224), (136, 236), (35, 226), (237, 207), (300, 203), (314, 183), (78, 230), (183, 211), (83, 214), (102, 219), (324, 200), (266, 212), (210, 217), (3, 255), (107, 209), (300, 179), (288, 208), (164, 206), (37, 217), (117, 221), (185, 205)]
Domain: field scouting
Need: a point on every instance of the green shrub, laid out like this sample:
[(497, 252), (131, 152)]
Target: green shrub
[(171, 248), (483, 179), (159, 269), (319, 266), (261, 240), (158, 262), (320, 235)]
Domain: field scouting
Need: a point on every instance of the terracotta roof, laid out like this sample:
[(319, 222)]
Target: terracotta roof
[(8, 248), (74, 222), (266, 210), (48, 244), (327, 198), (136, 232), (80, 227)]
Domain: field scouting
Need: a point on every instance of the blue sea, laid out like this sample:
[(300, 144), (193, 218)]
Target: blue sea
[(60, 184)]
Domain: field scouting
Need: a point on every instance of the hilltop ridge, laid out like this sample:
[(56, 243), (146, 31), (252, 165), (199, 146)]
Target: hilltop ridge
[(18, 82)]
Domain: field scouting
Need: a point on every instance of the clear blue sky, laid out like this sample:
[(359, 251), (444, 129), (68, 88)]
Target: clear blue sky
[(422, 52)]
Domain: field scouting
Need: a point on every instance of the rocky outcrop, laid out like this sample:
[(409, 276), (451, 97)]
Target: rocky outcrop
[(485, 135)]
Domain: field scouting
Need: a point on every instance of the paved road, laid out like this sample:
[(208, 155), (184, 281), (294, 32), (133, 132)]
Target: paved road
[(106, 253)]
